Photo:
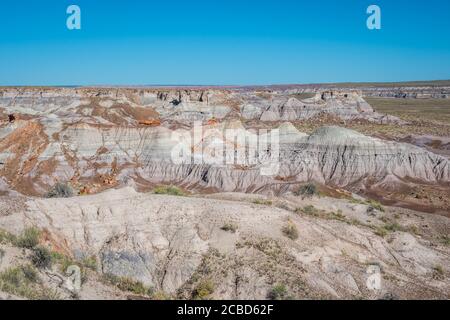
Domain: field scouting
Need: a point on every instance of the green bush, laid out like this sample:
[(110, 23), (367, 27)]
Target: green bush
[(393, 227), (438, 273), (90, 262), (128, 284), (28, 239), (263, 202), (30, 273), (203, 290), (309, 210), (290, 231), (41, 257), (169, 190), (278, 292), (6, 237), (338, 216), (373, 204), (381, 232), (307, 190), (387, 228), (21, 281), (445, 240), (60, 190), (376, 205)]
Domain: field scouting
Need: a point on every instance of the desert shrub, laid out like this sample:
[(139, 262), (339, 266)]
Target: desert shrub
[(20, 281), (160, 295), (376, 205), (41, 257), (278, 292), (169, 190), (290, 230), (203, 289), (338, 216), (414, 229), (30, 273), (28, 239), (438, 273), (229, 227), (90, 262), (6, 237), (309, 210), (16, 276), (439, 269), (128, 284), (60, 190), (393, 227), (307, 190), (445, 240), (262, 202), (62, 261), (383, 231), (373, 204), (380, 231)]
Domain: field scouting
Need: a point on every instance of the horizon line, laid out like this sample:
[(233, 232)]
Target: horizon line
[(444, 82)]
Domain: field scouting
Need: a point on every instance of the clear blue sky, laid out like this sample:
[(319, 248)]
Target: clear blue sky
[(222, 42)]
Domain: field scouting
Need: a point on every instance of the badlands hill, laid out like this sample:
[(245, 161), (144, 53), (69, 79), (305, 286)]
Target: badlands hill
[(292, 215)]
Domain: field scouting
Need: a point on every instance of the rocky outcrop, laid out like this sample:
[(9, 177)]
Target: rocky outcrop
[(97, 139), (105, 105), (342, 105), (172, 244), (413, 90), (113, 146), (86, 152)]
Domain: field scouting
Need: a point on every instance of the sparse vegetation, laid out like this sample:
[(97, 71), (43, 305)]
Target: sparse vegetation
[(438, 272), (23, 281), (380, 231), (229, 227), (90, 262), (263, 202), (278, 292), (28, 239), (322, 214), (128, 284), (424, 109), (169, 190), (387, 228), (307, 190), (339, 216), (393, 227), (373, 204), (414, 229), (445, 240), (63, 261), (309, 210), (304, 95), (6, 237), (60, 190), (290, 230), (41, 257), (160, 295), (203, 289)]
